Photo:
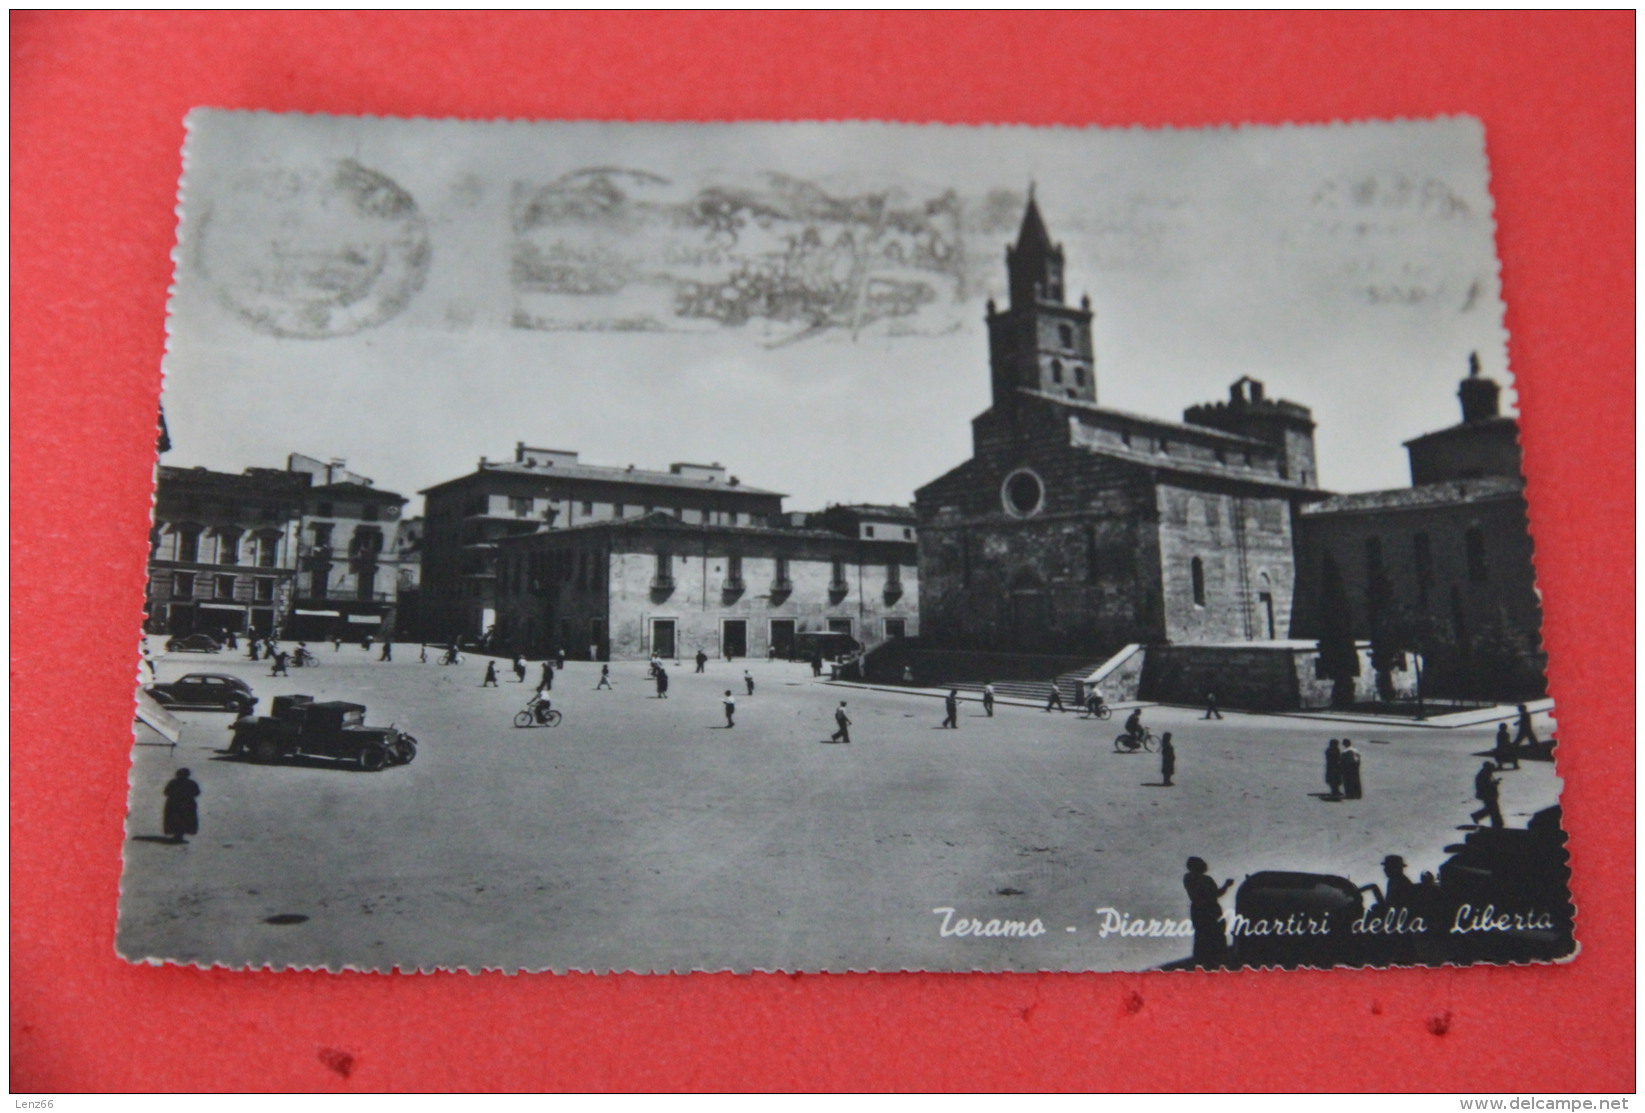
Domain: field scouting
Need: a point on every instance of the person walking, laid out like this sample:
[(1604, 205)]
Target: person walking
[(490, 680), (843, 735), (662, 682), (730, 703), (336, 643), (1525, 732), (422, 654), (519, 669), (182, 814), (256, 651), (1205, 913), (605, 678), (1211, 711), (908, 674), (1488, 791), (748, 679), (559, 656), (545, 683), (388, 651), (1333, 768), (816, 664), (988, 698), (1055, 701), (1351, 788), (951, 704), (1504, 751), (233, 641), (1167, 758), (280, 659), (702, 660)]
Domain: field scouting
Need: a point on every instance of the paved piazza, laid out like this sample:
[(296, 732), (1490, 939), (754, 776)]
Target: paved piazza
[(642, 835)]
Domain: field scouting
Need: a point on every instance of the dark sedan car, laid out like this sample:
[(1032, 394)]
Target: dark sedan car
[(193, 643), (206, 689)]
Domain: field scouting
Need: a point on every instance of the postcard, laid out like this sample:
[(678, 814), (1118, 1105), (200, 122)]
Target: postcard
[(839, 547)]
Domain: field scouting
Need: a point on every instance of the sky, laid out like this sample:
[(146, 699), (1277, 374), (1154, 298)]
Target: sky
[(803, 303)]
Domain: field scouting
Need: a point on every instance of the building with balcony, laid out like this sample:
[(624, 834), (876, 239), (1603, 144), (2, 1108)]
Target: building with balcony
[(347, 582), (626, 588), (467, 519), (223, 550)]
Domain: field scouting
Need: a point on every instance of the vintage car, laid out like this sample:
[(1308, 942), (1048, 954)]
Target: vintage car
[(192, 643), (206, 689), (334, 729), (1288, 919)]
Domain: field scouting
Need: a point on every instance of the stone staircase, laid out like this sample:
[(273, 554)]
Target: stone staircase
[(1036, 690)]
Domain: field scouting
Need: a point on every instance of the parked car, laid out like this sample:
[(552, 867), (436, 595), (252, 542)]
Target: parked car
[(334, 729), (206, 689), (1296, 919), (192, 643)]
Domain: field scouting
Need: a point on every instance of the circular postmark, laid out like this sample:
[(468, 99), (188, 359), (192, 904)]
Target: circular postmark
[(317, 252)]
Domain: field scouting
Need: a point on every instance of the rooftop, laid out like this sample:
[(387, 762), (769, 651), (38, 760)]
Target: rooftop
[(1452, 492), (637, 477), (356, 490), (657, 520), (1466, 428)]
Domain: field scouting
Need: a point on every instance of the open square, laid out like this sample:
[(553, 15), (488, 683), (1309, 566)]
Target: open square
[(641, 834)]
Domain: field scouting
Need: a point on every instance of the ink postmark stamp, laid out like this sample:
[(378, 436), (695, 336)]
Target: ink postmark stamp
[(823, 547)]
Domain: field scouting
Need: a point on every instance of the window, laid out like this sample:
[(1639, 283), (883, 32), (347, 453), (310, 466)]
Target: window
[(1079, 375), (1474, 539), (228, 546), (263, 590), (588, 508), (665, 569), (734, 572), (188, 543), (893, 575), (782, 582), (908, 535), (618, 510), (520, 507), (322, 535), (1023, 492), (1422, 556), (182, 585), (1056, 370), (868, 531), (896, 627), (268, 548), (1196, 570), (1065, 333), (836, 580), (224, 587)]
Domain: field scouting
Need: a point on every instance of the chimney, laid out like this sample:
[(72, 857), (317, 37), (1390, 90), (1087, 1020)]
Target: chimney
[(1479, 395)]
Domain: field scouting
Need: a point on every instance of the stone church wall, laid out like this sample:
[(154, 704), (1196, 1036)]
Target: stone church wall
[(1244, 549)]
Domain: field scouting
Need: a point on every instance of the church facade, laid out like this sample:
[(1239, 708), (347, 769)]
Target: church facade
[(1078, 529)]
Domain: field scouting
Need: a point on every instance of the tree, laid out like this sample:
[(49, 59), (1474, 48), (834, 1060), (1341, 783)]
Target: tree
[(1338, 656), (1389, 640)]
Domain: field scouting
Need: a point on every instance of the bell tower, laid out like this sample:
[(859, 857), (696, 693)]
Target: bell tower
[(1040, 341)]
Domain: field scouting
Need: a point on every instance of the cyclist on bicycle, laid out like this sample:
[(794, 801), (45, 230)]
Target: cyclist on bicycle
[(1094, 703), (540, 705), (1133, 725)]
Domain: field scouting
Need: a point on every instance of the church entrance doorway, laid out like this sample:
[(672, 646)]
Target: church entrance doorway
[(1030, 611)]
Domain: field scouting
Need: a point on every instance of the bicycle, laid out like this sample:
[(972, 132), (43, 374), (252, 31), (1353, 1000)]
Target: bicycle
[(529, 717), (451, 657), (1097, 710), (1126, 743)]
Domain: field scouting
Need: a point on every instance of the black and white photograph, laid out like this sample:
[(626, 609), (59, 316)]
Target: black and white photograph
[(823, 547)]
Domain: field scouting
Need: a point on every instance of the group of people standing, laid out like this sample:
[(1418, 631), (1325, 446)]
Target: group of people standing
[(1342, 770)]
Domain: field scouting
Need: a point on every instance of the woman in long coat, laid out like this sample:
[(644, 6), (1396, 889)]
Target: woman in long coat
[(1333, 769), (182, 814)]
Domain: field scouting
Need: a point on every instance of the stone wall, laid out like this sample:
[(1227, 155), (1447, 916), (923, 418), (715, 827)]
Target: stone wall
[(1255, 677), (1244, 550)]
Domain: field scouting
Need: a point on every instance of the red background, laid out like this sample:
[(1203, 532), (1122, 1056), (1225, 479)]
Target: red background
[(96, 112)]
